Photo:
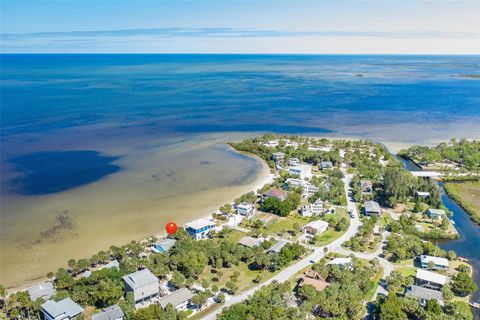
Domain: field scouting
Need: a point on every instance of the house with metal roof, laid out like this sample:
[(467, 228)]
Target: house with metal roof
[(111, 264), (422, 194), (430, 280), (250, 242), (200, 229), (44, 290), (163, 245), (315, 227), (366, 186), (277, 247), (65, 309), (436, 213), (437, 262), (111, 313), (372, 208), (178, 299), (303, 171), (293, 161), (424, 295), (144, 285)]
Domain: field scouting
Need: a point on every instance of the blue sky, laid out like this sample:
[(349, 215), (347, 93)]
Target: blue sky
[(422, 27)]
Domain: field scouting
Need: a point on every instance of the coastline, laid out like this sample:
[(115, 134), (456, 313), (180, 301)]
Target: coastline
[(263, 177)]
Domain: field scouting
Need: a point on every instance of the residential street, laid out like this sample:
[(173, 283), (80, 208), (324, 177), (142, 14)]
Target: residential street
[(317, 254)]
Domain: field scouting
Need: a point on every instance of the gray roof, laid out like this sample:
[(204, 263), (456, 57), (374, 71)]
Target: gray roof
[(166, 244), (140, 278), (66, 307), (326, 164), (372, 206), (111, 313), (424, 293), (278, 154), (111, 264), (43, 290), (178, 297), (250, 241), (277, 247), (436, 211)]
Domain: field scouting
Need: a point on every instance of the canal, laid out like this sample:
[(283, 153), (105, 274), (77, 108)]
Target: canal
[(468, 243)]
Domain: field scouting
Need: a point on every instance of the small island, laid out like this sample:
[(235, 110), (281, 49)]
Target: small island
[(341, 231)]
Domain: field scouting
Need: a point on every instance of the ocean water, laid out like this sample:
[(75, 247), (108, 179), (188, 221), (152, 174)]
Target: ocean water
[(100, 149)]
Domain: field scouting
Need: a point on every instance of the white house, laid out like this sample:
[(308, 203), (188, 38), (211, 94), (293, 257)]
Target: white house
[(44, 290), (342, 262), (144, 285), (366, 186), (200, 229), (315, 227), (178, 299), (65, 309), (246, 209), (422, 194), (271, 143), (310, 189), (436, 213), (312, 208), (430, 280), (295, 182), (293, 161), (111, 313), (439, 263), (304, 171)]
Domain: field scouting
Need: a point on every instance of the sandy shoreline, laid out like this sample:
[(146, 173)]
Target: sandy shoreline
[(264, 176)]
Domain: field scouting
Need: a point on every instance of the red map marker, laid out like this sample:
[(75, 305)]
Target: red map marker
[(171, 228)]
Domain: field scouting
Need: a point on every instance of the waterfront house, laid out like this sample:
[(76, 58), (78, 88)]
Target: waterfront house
[(278, 156), (438, 263), (293, 161), (315, 227), (44, 290), (342, 262), (144, 285), (430, 280), (250, 242), (424, 295), (275, 193), (65, 309), (436, 214), (112, 264), (372, 208), (200, 229), (163, 245), (303, 171), (326, 165), (178, 299), (246, 209), (277, 247), (366, 186), (111, 313)]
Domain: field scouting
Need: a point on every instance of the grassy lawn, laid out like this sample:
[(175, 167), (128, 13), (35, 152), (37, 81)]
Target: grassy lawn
[(235, 235), (285, 224), (374, 281), (467, 194), (407, 270)]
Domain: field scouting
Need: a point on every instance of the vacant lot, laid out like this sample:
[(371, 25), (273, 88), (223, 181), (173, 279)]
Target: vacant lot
[(467, 194)]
